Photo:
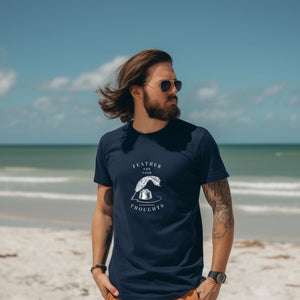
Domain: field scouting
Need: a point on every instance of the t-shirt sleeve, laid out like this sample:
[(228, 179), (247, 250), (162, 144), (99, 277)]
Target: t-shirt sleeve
[(101, 173), (211, 166)]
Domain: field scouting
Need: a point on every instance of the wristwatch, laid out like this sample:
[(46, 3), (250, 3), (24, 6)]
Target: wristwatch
[(218, 277)]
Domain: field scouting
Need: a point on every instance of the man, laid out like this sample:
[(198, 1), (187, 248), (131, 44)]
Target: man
[(149, 173)]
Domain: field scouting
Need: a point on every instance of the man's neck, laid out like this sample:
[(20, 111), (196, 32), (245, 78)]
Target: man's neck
[(148, 125)]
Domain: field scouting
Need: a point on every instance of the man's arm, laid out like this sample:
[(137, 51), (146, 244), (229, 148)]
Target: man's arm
[(102, 231), (218, 196)]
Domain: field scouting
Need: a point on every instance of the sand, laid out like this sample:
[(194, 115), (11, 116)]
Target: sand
[(55, 264)]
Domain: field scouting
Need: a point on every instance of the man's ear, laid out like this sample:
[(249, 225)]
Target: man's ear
[(135, 91)]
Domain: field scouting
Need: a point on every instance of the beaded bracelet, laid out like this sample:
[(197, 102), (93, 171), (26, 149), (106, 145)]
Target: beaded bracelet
[(102, 267)]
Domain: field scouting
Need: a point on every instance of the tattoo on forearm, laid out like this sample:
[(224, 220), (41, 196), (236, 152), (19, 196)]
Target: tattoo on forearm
[(109, 234), (218, 196), (109, 197)]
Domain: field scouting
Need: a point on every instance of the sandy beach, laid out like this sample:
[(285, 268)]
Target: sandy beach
[(40, 263)]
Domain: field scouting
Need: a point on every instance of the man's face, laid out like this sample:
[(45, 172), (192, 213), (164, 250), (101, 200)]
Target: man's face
[(161, 105)]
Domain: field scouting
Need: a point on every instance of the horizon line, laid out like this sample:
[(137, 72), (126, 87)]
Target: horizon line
[(96, 144)]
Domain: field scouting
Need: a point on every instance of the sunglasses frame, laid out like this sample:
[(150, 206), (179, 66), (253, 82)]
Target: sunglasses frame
[(170, 83)]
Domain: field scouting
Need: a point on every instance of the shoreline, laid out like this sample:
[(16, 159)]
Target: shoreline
[(47, 263), (82, 227)]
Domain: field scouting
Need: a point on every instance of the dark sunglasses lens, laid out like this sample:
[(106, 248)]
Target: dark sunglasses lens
[(165, 85), (178, 85)]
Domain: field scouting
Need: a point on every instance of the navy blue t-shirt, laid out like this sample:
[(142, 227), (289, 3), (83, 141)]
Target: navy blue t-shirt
[(156, 179)]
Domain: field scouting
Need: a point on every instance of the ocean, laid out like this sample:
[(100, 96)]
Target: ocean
[(52, 186)]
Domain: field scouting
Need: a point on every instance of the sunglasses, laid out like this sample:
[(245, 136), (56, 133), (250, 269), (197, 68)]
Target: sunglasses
[(165, 85)]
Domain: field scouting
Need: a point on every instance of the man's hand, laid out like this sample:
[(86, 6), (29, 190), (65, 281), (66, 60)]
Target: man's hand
[(104, 284), (208, 290)]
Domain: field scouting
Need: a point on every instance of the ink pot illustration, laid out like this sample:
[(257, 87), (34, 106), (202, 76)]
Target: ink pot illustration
[(147, 190)]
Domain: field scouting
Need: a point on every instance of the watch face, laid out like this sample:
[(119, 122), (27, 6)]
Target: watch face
[(221, 278)]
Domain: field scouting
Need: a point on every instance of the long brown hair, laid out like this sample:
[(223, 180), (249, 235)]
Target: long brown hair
[(118, 103)]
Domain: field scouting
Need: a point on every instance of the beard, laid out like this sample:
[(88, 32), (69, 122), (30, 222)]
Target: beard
[(169, 112)]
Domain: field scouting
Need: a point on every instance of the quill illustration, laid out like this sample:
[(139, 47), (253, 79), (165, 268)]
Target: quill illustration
[(142, 183)]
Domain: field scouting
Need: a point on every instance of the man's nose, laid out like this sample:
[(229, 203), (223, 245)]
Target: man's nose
[(173, 89)]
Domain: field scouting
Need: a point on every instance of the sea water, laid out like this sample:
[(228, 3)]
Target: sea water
[(52, 186)]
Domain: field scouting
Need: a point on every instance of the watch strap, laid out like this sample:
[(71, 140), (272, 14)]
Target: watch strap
[(218, 277)]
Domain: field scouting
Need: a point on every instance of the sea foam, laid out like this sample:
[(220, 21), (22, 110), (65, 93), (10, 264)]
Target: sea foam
[(30, 179), (266, 185), (46, 195), (262, 209), (271, 193)]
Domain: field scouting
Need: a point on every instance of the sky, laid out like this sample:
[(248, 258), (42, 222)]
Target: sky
[(238, 60)]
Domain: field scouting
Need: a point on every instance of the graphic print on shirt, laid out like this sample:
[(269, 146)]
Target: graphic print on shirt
[(147, 193)]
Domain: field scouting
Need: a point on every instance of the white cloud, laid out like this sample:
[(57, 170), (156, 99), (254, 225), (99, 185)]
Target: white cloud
[(216, 114), (268, 116), (85, 81), (58, 83), (65, 99), (244, 119), (207, 92), (293, 117), (269, 92), (13, 123), (294, 101), (44, 104), (80, 110), (57, 119), (50, 105), (225, 100), (100, 120), (7, 80)]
